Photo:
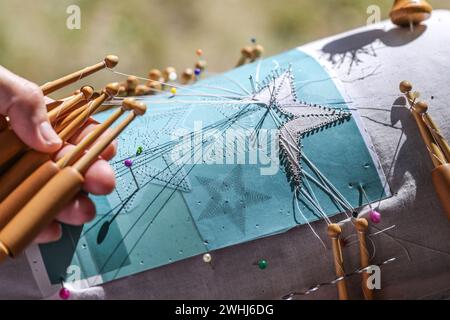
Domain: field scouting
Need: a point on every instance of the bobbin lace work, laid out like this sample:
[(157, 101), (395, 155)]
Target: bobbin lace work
[(299, 118)]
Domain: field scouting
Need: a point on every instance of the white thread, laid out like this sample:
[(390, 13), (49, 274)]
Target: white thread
[(306, 220)]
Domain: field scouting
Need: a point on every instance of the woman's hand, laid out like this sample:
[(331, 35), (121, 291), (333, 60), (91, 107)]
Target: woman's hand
[(24, 104)]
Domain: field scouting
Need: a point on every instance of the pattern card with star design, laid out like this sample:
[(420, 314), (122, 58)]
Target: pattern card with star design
[(232, 158)]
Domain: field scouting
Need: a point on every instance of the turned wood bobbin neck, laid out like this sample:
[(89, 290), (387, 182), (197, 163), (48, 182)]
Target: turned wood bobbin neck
[(334, 231), (361, 224)]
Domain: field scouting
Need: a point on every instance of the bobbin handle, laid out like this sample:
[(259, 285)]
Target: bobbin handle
[(334, 232), (10, 146), (110, 91), (59, 126), (246, 53), (418, 109), (25, 191), (440, 139), (441, 181), (49, 87), (435, 152), (32, 184), (40, 211), (70, 104), (361, 226), (21, 169), (75, 154), (90, 157), (32, 159)]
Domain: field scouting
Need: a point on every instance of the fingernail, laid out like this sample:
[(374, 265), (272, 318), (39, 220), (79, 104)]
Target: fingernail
[(49, 135)]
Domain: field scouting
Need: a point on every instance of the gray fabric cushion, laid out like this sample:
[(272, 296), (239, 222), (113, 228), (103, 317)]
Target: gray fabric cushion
[(375, 60)]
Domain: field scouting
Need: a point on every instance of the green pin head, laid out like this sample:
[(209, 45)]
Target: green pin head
[(262, 264)]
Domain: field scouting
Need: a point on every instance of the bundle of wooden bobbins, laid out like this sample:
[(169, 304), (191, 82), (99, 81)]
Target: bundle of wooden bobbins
[(33, 187), (168, 79), (157, 82), (437, 146), (334, 232), (250, 54), (439, 152), (161, 81)]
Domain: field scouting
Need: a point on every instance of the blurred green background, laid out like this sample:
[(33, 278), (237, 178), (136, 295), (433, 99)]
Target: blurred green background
[(35, 42)]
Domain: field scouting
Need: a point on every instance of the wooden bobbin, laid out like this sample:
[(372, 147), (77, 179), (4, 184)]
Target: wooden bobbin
[(246, 54), (142, 90), (4, 252), (45, 205), (32, 184), (407, 12), (32, 159), (334, 232), (132, 83), (155, 86), (91, 156), (68, 119), (438, 147), (10, 147), (61, 124), (187, 76), (109, 62), (56, 103), (122, 90), (201, 64), (128, 104), (17, 199), (155, 75), (440, 176), (422, 108), (441, 181), (361, 226), (435, 152), (257, 52), (70, 105), (10, 144), (108, 93)]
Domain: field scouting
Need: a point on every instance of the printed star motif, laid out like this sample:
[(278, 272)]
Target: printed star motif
[(299, 118), (230, 198)]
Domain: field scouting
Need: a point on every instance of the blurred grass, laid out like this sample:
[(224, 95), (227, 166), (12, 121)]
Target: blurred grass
[(35, 43)]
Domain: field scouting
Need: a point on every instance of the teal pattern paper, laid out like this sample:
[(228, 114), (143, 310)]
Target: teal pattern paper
[(163, 211)]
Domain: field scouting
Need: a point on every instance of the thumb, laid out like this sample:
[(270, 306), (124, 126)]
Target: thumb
[(23, 102)]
